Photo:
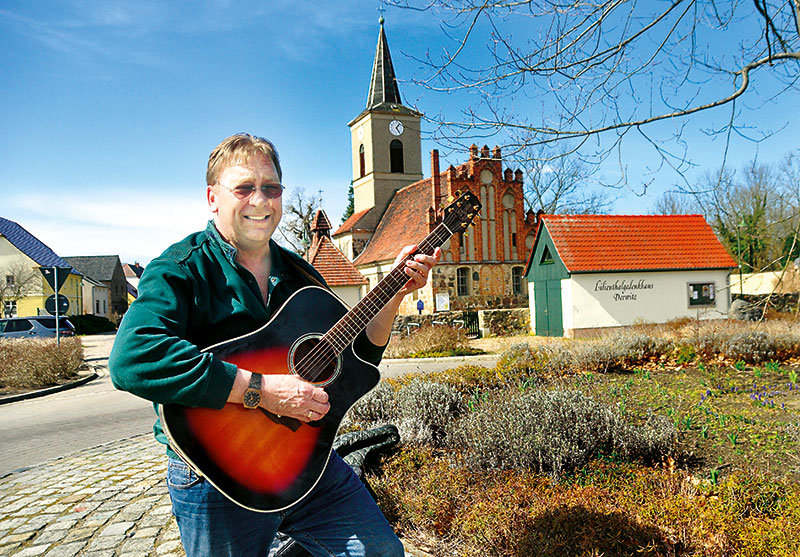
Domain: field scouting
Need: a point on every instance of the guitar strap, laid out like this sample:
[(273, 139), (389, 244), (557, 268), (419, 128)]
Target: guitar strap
[(306, 275)]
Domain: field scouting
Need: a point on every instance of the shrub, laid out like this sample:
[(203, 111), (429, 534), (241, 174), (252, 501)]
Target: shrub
[(91, 324), (552, 432), (32, 363), (375, 408), (425, 410), (421, 409), (753, 347), (430, 341), (468, 377), (521, 361)]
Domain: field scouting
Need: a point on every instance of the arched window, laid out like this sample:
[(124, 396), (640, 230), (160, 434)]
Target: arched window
[(462, 281), (362, 163), (396, 155)]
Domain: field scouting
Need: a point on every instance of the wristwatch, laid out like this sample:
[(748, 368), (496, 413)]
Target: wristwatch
[(252, 396)]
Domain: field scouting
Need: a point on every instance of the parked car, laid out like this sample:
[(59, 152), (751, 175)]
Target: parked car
[(42, 326)]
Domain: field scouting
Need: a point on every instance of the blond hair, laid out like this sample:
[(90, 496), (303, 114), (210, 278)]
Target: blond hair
[(239, 147)]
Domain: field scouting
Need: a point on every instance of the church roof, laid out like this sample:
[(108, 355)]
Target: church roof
[(326, 258), (384, 94), (321, 223), (383, 83), (602, 243), (405, 222), (354, 222)]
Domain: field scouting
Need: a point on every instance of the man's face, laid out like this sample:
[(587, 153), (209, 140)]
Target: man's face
[(246, 223)]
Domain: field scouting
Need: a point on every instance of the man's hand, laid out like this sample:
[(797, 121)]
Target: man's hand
[(288, 395), (417, 268)]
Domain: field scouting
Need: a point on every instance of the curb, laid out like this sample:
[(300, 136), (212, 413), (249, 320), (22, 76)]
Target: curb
[(442, 358), (49, 390)]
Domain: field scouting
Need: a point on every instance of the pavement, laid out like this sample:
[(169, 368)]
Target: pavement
[(109, 500)]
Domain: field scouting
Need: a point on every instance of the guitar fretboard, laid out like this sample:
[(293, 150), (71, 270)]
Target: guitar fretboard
[(341, 335)]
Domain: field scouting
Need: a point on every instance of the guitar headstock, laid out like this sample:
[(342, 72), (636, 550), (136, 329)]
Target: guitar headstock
[(459, 214)]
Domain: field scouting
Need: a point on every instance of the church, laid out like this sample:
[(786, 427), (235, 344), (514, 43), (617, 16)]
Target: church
[(482, 268)]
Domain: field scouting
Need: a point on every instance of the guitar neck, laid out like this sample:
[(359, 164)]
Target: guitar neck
[(341, 335)]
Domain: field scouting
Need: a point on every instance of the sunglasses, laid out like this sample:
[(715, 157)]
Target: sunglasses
[(271, 191)]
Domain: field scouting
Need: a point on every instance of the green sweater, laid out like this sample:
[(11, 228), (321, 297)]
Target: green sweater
[(193, 296)]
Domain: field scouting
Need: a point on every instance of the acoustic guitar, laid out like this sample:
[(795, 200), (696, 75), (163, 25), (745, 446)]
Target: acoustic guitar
[(265, 462)]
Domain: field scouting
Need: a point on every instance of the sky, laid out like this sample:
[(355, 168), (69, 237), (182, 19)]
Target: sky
[(110, 109)]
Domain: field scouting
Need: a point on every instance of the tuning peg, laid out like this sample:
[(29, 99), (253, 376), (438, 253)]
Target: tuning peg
[(475, 208), (457, 193)]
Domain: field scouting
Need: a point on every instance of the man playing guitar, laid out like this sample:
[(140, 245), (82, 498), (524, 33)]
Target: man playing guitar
[(225, 282)]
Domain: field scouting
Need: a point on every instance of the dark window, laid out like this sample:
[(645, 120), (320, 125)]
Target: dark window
[(49, 322), (462, 284), (396, 155), (362, 163), (10, 281), (516, 280), (702, 294), (547, 257), (513, 239), (18, 325)]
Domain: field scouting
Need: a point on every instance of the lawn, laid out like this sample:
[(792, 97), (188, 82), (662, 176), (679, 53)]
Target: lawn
[(673, 440)]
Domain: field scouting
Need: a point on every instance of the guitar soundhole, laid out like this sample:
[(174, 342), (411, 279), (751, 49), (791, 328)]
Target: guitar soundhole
[(314, 360)]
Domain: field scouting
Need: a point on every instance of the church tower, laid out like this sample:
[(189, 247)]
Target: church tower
[(385, 139)]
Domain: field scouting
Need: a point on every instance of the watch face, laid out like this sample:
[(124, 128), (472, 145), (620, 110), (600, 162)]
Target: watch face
[(251, 398), (396, 127)]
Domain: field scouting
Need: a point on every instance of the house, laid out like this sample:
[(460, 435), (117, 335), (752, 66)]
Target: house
[(96, 297), (591, 272), (394, 206), (133, 272), (338, 271), (23, 288), (106, 269)]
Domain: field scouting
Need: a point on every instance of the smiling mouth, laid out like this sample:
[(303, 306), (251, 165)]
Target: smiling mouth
[(264, 217)]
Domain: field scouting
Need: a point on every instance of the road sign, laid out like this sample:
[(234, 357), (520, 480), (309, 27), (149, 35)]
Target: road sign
[(63, 304), (50, 273)]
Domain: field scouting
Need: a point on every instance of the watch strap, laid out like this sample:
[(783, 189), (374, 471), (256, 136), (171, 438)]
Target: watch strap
[(255, 381)]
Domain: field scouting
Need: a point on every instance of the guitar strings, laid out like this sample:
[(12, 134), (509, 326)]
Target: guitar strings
[(334, 342)]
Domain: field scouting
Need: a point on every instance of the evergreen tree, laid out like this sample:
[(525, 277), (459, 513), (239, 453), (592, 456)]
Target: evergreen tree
[(350, 204)]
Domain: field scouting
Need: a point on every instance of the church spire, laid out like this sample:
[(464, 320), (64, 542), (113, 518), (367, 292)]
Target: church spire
[(383, 84)]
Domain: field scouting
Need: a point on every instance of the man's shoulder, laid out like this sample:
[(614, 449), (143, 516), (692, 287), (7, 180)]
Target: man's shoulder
[(179, 252)]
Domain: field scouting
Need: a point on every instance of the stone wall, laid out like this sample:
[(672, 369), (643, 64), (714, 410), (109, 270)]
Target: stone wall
[(504, 322), (499, 322), (780, 301), (489, 286)]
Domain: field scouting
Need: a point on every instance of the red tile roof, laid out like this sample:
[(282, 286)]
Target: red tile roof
[(636, 242), (333, 265), (352, 222), (405, 222)]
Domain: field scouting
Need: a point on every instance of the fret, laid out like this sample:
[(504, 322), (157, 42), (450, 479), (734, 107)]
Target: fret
[(342, 334)]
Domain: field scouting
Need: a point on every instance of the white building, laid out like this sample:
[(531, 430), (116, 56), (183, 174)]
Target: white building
[(589, 272)]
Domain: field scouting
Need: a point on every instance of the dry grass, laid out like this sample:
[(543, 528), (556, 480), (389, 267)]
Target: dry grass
[(35, 363)]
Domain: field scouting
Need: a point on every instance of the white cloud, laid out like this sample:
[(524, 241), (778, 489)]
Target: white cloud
[(136, 229)]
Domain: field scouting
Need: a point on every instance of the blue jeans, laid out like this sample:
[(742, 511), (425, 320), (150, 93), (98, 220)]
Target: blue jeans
[(338, 517)]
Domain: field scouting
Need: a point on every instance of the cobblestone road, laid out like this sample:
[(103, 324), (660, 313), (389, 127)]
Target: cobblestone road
[(109, 500)]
